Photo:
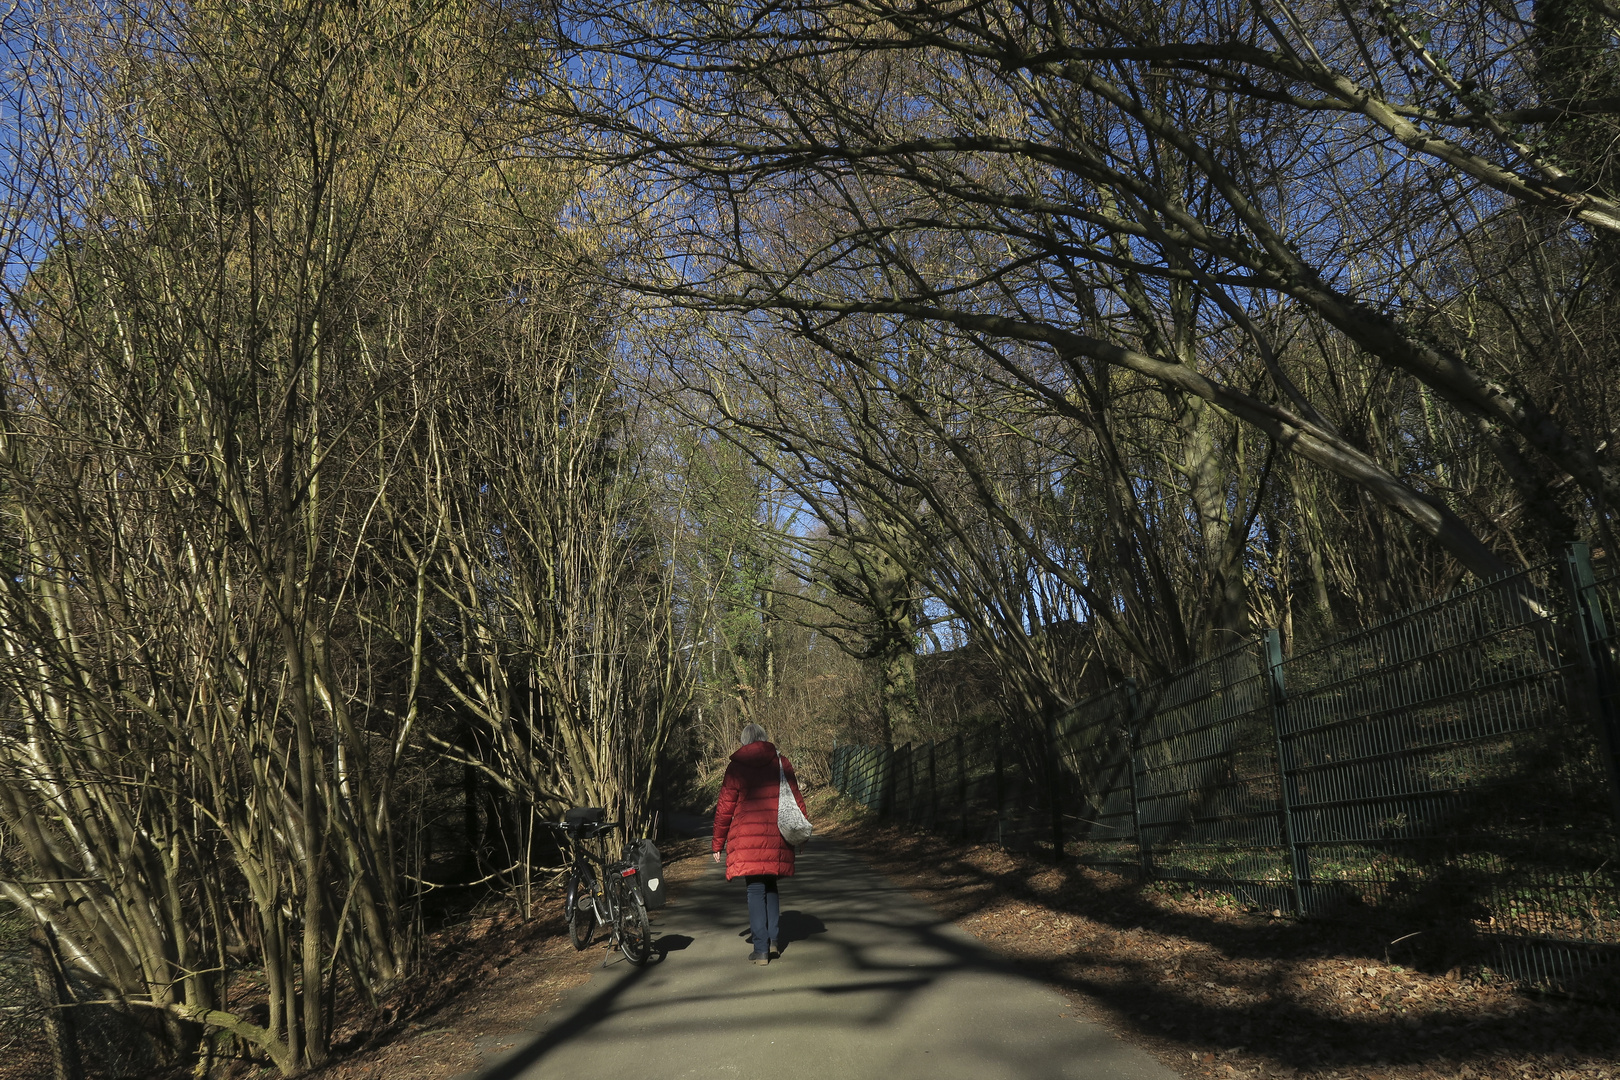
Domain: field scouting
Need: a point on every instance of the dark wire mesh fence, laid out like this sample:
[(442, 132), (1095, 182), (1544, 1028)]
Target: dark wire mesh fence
[(1454, 766)]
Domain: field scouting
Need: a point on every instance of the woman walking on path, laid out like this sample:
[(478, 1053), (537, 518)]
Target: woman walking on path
[(745, 827)]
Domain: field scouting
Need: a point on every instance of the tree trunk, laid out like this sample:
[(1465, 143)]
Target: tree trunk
[(60, 1030)]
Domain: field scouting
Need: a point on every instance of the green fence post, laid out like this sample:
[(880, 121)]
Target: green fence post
[(883, 779), (1592, 632), (919, 804), (1001, 793), (933, 787), (1054, 783), (897, 768), (921, 787), (961, 787), (1133, 752), (910, 758), (875, 773), (887, 784), (1298, 872), (914, 813)]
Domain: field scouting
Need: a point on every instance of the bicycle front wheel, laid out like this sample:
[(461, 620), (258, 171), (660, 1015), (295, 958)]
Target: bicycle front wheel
[(635, 936)]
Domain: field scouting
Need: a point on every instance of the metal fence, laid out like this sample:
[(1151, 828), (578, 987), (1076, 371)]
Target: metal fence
[(1455, 766)]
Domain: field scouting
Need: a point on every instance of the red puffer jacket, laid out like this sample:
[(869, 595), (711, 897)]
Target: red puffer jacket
[(745, 819)]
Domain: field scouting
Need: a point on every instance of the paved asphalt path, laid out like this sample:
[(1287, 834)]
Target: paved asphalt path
[(871, 983)]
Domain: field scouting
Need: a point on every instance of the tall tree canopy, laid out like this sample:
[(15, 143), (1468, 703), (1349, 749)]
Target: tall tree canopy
[(1367, 239)]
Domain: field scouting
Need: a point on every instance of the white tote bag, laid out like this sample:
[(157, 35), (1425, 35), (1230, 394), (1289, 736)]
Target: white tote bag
[(795, 827)]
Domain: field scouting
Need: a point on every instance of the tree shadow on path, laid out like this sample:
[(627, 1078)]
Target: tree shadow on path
[(1282, 996)]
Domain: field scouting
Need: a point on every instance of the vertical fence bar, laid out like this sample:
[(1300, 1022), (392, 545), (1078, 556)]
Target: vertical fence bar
[(1001, 793), (892, 801), (914, 813), (1133, 749), (897, 771), (886, 783), (920, 787), (910, 759), (862, 768), (913, 784), (933, 788), (906, 758), (1298, 872), (882, 766), (879, 782), (1592, 633), (876, 771), (1054, 782), (961, 788)]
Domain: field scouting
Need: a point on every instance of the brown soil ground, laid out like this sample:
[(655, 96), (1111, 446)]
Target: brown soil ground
[(1216, 992), (488, 977)]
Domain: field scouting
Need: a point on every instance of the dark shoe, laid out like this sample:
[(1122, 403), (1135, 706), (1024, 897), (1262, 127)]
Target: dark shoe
[(761, 958), (775, 952)]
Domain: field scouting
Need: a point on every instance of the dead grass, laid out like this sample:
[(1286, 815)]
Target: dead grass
[(1217, 992)]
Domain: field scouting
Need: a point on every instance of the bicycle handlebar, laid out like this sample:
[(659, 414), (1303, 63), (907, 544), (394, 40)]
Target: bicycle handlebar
[(599, 826)]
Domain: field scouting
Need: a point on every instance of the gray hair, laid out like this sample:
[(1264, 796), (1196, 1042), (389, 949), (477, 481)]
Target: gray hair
[(752, 733)]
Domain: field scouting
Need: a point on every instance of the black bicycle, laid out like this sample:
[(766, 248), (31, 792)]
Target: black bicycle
[(602, 893)]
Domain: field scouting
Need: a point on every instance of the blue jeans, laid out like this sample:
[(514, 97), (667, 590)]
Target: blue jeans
[(764, 910)]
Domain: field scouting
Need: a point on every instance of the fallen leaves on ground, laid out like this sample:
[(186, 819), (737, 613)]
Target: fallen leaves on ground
[(1216, 992)]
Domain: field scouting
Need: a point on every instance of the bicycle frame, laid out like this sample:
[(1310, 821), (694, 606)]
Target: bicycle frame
[(588, 869)]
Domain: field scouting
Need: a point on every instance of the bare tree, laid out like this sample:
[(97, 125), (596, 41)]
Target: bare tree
[(250, 239), (998, 169)]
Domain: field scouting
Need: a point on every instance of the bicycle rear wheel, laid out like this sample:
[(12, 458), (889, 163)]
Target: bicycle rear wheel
[(582, 922), (635, 936)]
